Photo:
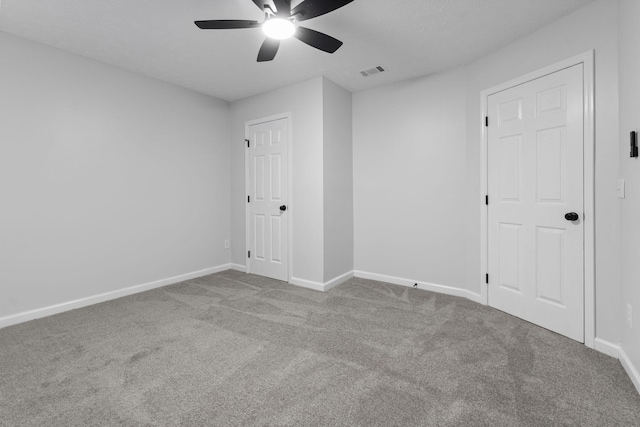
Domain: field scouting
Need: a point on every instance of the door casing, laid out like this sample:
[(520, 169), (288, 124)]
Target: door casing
[(587, 59), (247, 189)]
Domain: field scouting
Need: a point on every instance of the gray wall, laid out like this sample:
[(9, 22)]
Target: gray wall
[(409, 180), (338, 181), (630, 170), (108, 179)]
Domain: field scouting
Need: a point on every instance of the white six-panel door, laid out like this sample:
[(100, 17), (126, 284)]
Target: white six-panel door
[(267, 225), (535, 178)]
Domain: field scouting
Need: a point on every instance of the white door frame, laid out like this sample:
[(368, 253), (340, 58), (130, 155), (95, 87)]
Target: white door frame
[(247, 188), (587, 59)]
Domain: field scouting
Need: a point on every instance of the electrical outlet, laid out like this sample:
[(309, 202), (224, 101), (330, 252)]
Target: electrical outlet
[(630, 315), (226, 244)]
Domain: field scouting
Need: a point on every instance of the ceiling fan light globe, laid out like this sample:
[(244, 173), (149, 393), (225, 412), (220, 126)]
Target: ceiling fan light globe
[(278, 28)]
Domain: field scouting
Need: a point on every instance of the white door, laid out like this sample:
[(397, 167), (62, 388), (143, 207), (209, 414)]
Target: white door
[(267, 227), (535, 178)]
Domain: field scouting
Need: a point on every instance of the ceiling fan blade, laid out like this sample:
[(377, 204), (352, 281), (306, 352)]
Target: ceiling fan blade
[(318, 40), (226, 24), (283, 8), (311, 8), (262, 3), (268, 50)]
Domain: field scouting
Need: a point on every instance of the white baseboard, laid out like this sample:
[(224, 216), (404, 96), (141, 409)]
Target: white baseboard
[(38, 313), (448, 290), (607, 348), (617, 351), (632, 371), (322, 287), (238, 267), (338, 280), (316, 286)]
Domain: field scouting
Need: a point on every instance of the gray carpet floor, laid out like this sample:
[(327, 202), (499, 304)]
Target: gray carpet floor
[(237, 349)]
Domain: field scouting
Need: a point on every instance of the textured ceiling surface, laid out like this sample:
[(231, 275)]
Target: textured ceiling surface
[(157, 38)]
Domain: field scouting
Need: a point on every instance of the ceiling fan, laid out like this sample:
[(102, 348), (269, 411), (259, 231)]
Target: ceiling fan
[(279, 24)]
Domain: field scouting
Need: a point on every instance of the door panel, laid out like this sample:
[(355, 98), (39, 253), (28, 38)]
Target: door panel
[(510, 156), (259, 237), (550, 153), (276, 177), (535, 164), (276, 237), (549, 281), (510, 237), (258, 193), (268, 189)]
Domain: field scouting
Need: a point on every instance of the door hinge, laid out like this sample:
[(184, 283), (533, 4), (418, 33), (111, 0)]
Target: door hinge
[(487, 278), (486, 199), (249, 254), (248, 142), (248, 199), (486, 121)]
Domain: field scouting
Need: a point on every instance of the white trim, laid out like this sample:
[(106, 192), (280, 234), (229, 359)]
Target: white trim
[(321, 287), (38, 313), (632, 371), (338, 280), (290, 204), (587, 59), (316, 286), (618, 352), (238, 267), (484, 191), (448, 290), (607, 348)]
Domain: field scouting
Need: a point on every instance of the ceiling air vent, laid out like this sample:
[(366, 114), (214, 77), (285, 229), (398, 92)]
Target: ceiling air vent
[(372, 71)]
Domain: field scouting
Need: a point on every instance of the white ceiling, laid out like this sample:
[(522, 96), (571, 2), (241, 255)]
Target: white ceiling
[(157, 38)]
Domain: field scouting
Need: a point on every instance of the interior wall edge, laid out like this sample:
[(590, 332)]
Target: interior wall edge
[(238, 267), (309, 284), (321, 287), (25, 316), (617, 351), (606, 347), (629, 367), (303, 101), (338, 280)]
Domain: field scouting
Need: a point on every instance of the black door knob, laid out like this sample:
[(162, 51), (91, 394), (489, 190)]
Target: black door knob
[(283, 208), (571, 216)]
